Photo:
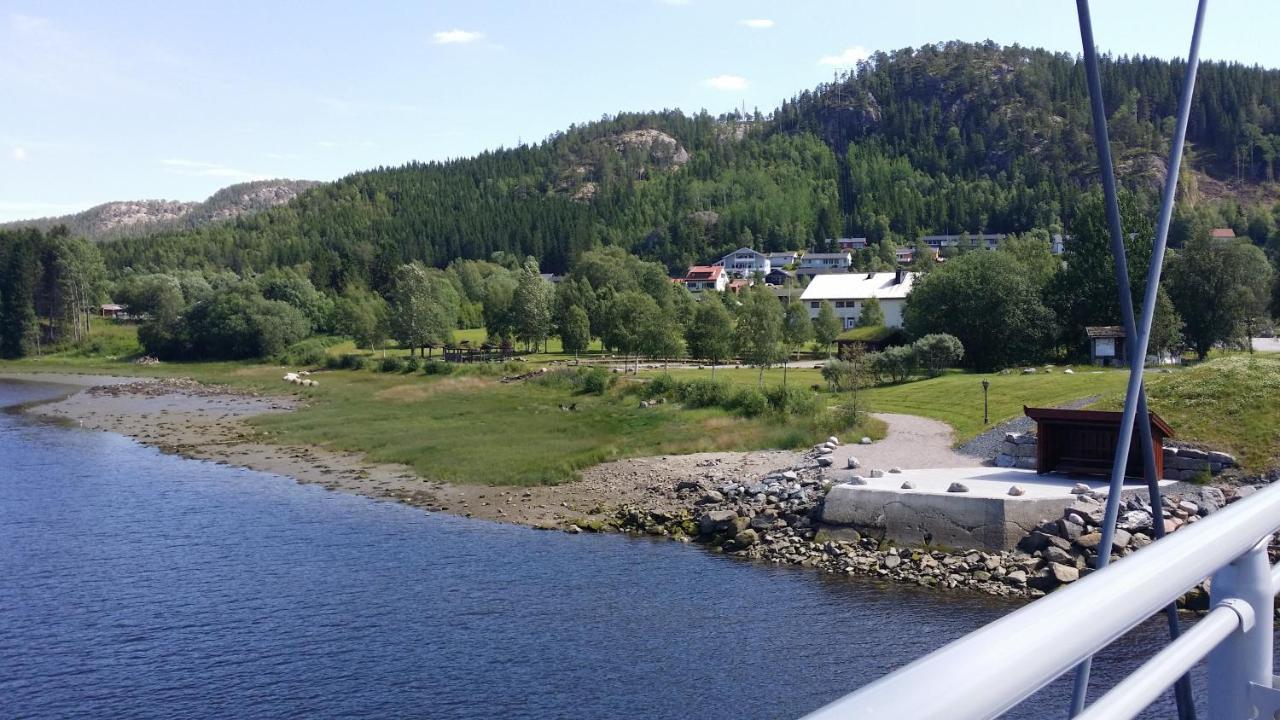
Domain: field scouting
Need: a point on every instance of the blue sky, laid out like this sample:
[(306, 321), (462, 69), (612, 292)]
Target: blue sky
[(129, 100)]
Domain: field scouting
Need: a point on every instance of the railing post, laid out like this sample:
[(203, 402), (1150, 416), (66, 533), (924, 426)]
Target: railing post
[(1245, 656)]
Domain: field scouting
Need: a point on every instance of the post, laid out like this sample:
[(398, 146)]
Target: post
[(1245, 656), (985, 418)]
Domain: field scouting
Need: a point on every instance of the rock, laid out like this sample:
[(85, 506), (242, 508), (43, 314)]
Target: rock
[(790, 475), (1122, 539), (824, 450), (1080, 489), (1028, 371), (1056, 554), (1064, 573), (891, 561), (907, 485), (895, 469), (1135, 520), (852, 463), (746, 538), (688, 485), (1005, 460), (1016, 490), (573, 529), (1189, 507), (956, 487), (833, 440), (857, 480), (715, 520), (865, 440), (1222, 458), (825, 461), (1171, 524), (877, 473), (711, 497), (1017, 578), (1069, 371), (1069, 529), (1090, 541)]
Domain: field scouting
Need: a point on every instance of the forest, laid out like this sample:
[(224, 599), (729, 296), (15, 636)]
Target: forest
[(947, 138)]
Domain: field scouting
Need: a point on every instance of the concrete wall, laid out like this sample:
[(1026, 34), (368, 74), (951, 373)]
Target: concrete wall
[(952, 519), (1019, 451)]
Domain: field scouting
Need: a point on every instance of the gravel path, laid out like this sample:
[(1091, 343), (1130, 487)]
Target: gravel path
[(912, 442), (987, 445)]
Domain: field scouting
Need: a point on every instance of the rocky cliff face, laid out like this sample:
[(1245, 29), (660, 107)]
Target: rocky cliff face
[(129, 218)]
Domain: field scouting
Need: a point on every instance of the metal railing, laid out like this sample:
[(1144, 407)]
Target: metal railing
[(992, 669)]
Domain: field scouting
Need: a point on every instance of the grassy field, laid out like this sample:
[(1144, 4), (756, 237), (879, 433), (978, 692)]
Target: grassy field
[(469, 427), (1230, 403)]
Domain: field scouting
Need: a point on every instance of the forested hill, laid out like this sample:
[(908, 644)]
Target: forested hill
[(949, 138), (131, 218)]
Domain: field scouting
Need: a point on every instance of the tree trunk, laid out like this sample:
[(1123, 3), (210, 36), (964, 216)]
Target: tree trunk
[(784, 371), (713, 369), (760, 380)]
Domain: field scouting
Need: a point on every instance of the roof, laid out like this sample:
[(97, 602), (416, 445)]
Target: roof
[(112, 306), (783, 254), (1105, 331), (1222, 233), (1091, 417), (704, 272), (745, 250), (859, 286)]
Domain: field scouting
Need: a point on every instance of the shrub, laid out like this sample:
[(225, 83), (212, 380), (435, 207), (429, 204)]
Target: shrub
[(750, 402), (354, 361), (390, 365), (792, 400), (663, 385), (412, 364), (437, 367), (937, 352), (307, 352), (596, 380), (333, 362), (846, 414), (841, 375), (896, 362), (704, 393)]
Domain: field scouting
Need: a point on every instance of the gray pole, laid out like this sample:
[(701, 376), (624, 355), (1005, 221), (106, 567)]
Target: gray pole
[(1139, 334)]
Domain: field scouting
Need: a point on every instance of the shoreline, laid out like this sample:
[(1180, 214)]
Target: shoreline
[(206, 422)]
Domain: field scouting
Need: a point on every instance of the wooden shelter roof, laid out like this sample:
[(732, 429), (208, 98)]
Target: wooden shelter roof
[(1093, 417)]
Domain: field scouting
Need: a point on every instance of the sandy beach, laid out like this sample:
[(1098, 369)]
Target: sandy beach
[(209, 423)]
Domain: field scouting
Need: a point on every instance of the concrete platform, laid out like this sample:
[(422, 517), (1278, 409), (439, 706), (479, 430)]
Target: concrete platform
[(985, 517)]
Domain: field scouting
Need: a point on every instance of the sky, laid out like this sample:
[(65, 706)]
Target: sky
[(136, 100)]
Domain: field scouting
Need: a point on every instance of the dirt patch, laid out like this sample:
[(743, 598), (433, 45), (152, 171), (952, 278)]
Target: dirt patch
[(414, 392)]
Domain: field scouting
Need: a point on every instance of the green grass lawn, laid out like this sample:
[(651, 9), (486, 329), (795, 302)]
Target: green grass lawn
[(956, 398), (1229, 403)]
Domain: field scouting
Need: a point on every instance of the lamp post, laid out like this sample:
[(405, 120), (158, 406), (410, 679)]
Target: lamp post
[(985, 384)]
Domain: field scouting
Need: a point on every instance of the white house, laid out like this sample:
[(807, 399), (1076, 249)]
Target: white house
[(745, 262), (848, 291), (705, 277), (816, 263), (782, 259)]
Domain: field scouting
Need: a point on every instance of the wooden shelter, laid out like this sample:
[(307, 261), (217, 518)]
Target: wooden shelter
[(1084, 441), (1107, 345)]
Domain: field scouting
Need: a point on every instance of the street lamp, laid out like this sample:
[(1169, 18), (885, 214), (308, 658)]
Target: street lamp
[(985, 384)]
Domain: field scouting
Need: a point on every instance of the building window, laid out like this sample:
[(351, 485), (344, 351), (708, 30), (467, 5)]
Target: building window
[(814, 304)]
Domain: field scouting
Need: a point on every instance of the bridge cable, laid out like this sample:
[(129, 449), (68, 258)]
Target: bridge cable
[(1135, 394)]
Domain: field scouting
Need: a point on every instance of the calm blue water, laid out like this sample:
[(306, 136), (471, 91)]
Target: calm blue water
[(136, 584)]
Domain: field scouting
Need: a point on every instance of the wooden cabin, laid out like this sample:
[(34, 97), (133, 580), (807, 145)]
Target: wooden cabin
[(1084, 441)]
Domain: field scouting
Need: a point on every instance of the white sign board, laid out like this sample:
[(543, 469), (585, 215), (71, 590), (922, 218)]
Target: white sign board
[(1104, 347)]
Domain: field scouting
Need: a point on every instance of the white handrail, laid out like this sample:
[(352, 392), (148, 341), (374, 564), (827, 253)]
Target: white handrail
[(995, 667), (1131, 695)]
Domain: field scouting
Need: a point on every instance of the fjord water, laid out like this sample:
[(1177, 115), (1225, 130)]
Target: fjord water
[(138, 584)]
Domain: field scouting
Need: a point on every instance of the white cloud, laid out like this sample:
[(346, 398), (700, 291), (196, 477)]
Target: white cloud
[(726, 82), (19, 154), (758, 23), (456, 37), (850, 57), (195, 168), (27, 23)]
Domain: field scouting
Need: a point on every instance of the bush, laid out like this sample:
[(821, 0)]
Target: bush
[(846, 414), (663, 385), (937, 352), (750, 402), (412, 364), (596, 380), (307, 352), (390, 365), (354, 361), (437, 367), (896, 362), (333, 362), (792, 400), (841, 375), (704, 393)]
